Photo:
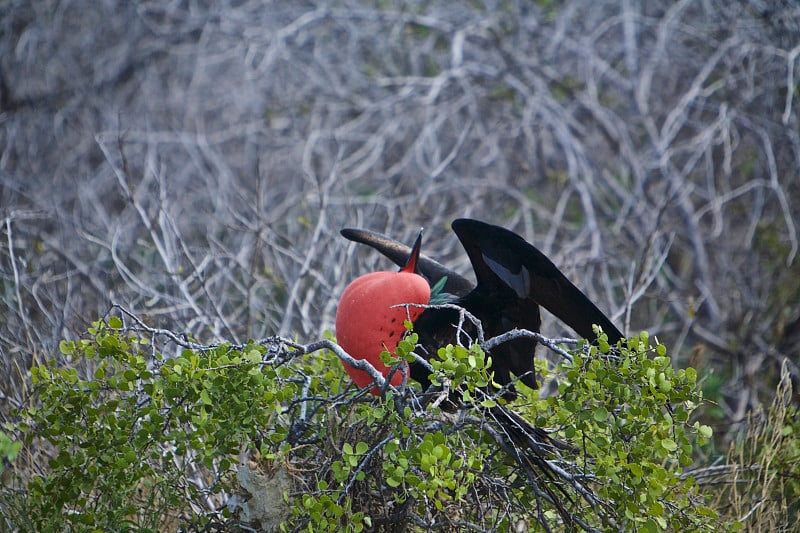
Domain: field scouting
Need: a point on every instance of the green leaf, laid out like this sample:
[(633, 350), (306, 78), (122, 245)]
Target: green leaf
[(205, 398), (600, 414), (669, 445), (603, 345), (253, 356), (67, 347)]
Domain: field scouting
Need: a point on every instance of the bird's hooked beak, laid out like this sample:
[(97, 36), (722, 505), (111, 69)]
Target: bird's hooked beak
[(411, 264)]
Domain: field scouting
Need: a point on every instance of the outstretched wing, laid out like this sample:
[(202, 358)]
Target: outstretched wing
[(501, 256), (398, 252)]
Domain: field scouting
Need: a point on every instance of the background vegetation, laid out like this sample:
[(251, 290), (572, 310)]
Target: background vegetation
[(194, 161)]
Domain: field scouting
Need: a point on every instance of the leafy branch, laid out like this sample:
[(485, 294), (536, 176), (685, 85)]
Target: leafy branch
[(140, 439)]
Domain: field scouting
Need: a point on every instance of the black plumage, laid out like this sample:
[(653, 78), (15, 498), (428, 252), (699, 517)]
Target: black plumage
[(513, 279)]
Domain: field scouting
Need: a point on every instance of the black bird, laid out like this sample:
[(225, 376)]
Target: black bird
[(513, 280)]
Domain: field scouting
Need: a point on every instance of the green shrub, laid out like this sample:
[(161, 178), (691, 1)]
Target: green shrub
[(149, 442)]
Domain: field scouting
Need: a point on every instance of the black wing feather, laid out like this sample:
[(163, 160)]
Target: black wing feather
[(500, 256)]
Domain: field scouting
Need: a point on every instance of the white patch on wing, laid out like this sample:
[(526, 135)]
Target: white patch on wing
[(519, 281)]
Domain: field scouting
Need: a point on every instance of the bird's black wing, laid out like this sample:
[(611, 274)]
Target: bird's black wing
[(501, 256), (398, 252)]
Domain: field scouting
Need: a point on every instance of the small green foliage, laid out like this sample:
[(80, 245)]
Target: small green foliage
[(134, 432), (464, 369), (8, 449), (630, 412), (406, 346), (122, 432), (427, 469)]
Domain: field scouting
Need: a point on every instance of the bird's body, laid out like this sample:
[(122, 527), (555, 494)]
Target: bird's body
[(513, 280), (498, 313)]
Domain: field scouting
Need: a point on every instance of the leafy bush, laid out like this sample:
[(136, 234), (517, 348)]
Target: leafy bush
[(144, 441)]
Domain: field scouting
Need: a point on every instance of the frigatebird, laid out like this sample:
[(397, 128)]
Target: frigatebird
[(513, 279)]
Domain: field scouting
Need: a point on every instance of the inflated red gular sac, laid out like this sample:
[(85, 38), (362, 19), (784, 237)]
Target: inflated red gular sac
[(371, 315)]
